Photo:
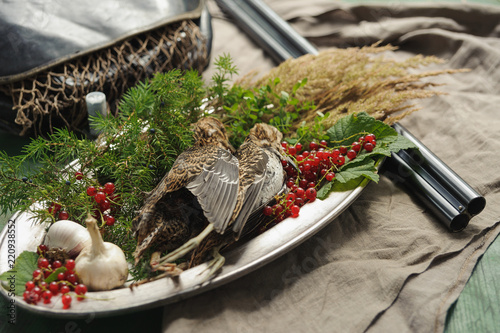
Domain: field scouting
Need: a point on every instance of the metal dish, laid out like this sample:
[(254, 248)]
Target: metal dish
[(240, 261)]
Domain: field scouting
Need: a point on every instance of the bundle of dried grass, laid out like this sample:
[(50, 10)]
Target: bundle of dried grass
[(345, 81)]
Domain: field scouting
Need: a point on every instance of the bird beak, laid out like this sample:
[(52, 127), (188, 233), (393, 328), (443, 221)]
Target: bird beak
[(284, 156)]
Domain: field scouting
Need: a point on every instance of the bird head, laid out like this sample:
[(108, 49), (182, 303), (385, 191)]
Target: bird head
[(266, 136), (269, 137), (211, 131)]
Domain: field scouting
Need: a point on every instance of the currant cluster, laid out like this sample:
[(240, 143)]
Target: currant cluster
[(52, 278), (55, 210), (313, 166), (105, 202)]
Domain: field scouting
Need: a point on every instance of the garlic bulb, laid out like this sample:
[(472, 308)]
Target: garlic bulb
[(69, 236), (102, 265)]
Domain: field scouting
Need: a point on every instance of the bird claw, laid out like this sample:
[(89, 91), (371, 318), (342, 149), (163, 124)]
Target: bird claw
[(214, 265), (170, 269)]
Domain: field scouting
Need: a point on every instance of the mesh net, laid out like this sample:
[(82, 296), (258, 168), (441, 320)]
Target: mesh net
[(56, 97)]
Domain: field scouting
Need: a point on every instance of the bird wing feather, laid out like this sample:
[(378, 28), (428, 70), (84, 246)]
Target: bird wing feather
[(253, 165), (216, 188)]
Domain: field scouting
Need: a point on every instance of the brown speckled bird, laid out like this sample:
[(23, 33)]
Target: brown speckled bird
[(204, 175)]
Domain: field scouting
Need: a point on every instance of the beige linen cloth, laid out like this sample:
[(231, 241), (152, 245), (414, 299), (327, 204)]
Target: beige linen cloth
[(386, 264)]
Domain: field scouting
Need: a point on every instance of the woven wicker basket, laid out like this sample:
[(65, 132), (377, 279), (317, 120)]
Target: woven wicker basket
[(55, 96)]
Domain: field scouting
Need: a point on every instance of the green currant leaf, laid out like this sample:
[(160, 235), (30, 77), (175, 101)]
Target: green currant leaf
[(53, 275), (366, 169), (330, 187), (349, 128), (21, 273), (400, 143)]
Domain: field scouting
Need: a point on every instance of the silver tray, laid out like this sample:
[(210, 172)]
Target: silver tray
[(242, 260)]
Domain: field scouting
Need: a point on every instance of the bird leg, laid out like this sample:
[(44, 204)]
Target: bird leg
[(215, 264), (187, 247)]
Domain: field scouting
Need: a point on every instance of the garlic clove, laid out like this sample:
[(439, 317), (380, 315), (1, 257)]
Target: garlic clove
[(101, 265), (69, 236)]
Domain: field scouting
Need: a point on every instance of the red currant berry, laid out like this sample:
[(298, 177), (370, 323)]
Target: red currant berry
[(66, 301), (370, 138), (343, 150), (71, 278), (284, 163), (298, 146), (61, 276), (46, 296), (81, 289), (361, 139), (78, 175), (46, 273), (64, 289), (110, 220), (268, 211), (37, 290), (290, 171), (292, 150), (356, 146), (340, 160), (351, 154), (320, 154), (54, 287), (63, 215), (91, 191), (330, 176), (43, 285), (311, 185), (299, 158), (303, 183), (29, 285), (37, 273), (299, 201), (295, 210), (300, 192), (305, 153), (31, 298), (368, 146), (334, 154), (109, 188), (100, 197), (41, 249), (284, 144), (323, 172), (105, 205), (290, 197), (43, 263), (278, 209), (311, 194), (323, 143), (54, 208), (56, 264), (70, 264), (313, 146), (309, 176)]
